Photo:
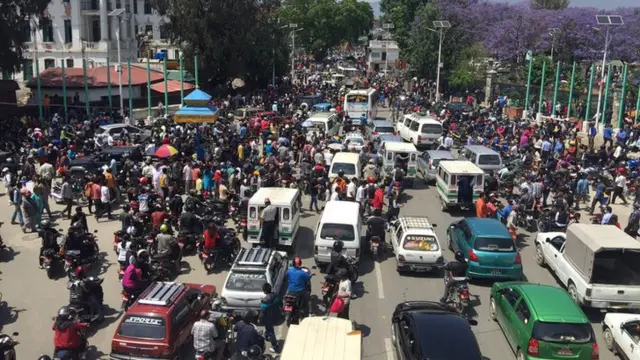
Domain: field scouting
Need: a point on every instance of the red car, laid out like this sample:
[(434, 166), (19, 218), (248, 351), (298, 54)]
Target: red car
[(159, 323)]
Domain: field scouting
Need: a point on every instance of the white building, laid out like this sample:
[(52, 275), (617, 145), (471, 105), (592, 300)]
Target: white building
[(382, 54), (77, 29)]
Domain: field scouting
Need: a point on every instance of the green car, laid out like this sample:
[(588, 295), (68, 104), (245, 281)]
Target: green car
[(542, 322)]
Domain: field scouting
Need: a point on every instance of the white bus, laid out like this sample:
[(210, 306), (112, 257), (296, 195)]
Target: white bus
[(358, 102), (350, 75)]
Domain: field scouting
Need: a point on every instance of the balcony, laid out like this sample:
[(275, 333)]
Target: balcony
[(90, 6)]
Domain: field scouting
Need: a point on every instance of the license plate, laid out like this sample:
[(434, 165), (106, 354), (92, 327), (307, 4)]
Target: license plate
[(421, 268), (150, 241), (288, 308), (565, 351), (496, 272)]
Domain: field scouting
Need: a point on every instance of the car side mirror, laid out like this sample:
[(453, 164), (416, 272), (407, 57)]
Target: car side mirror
[(548, 240), (434, 225)]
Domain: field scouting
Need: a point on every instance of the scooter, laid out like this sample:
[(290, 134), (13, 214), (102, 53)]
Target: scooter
[(374, 245)]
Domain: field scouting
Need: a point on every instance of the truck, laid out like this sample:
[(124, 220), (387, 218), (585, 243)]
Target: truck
[(598, 264)]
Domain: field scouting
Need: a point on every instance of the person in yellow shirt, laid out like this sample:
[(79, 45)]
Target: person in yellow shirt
[(199, 184), (164, 182), (110, 181), (240, 152)]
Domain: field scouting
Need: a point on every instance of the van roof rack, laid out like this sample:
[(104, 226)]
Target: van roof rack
[(254, 257), (162, 293), (416, 222)]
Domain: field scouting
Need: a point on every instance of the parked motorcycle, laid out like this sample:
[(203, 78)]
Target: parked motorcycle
[(459, 293), (7, 346)]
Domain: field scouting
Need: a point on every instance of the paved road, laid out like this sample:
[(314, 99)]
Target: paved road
[(30, 300)]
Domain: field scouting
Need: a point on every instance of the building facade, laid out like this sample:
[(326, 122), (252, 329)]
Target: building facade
[(382, 55), (73, 30)]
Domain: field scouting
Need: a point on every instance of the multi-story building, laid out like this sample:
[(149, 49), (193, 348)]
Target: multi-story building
[(382, 55), (73, 30)]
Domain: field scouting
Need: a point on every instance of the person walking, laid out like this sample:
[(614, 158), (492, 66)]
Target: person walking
[(16, 201), (620, 182), (344, 292), (105, 201), (270, 311), (95, 196), (66, 193)]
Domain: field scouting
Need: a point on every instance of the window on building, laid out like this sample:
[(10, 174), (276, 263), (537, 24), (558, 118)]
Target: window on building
[(135, 6), (147, 7), (70, 63), (68, 33), (118, 4), (49, 63), (26, 33), (136, 30), (384, 55), (375, 55), (148, 30), (6, 75), (47, 29), (163, 32), (27, 69)]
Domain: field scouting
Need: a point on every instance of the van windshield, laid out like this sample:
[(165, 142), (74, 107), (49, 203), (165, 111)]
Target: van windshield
[(245, 281), (497, 244), (142, 327), (489, 159), (431, 129), (344, 232), (349, 169)]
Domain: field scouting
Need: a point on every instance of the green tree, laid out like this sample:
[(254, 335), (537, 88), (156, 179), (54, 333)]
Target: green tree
[(15, 17), (536, 71), (550, 4), (232, 38), (469, 68), (401, 13), (327, 23)]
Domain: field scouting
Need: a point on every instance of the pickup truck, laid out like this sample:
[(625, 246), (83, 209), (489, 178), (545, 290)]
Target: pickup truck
[(598, 264)]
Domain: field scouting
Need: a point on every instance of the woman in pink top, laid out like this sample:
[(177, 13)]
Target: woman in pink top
[(132, 278)]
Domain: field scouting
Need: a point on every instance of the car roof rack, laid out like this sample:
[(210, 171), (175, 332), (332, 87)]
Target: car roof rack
[(416, 222), (162, 293), (254, 257)]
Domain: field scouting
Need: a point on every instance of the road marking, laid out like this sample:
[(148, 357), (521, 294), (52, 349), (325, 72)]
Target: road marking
[(388, 347), (379, 280)]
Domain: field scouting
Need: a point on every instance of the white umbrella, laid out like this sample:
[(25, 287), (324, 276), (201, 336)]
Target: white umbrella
[(307, 124)]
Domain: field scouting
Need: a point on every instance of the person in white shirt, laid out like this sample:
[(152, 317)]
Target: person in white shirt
[(187, 177), (335, 196), (351, 189), (618, 190), (344, 291), (328, 157), (360, 195), (157, 171), (147, 170), (105, 202), (110, 141)]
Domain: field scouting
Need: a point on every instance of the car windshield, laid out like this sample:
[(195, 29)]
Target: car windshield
[(246, 281), (420, 243), (563, 332), (349, 169), (142, 327), (344, 232), (356, 141), (489, 159), (431, 129), (384, 130), (497, 244)]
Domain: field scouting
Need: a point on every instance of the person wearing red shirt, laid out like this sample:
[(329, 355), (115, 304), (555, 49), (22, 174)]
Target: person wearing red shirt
[(158, 217), (378, 198), (211, 237), (67, 332)]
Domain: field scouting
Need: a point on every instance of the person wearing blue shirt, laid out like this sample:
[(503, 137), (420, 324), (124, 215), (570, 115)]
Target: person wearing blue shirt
[(243, 130), (298, 279), (507, 210), (582, 191), (621, 136), (607, 135), (598, 197)]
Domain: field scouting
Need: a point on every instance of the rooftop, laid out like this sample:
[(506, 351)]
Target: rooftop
[(96, 77)]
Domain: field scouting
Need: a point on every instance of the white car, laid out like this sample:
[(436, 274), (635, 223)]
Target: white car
[(415, 245), (621, 334), (353, 141)]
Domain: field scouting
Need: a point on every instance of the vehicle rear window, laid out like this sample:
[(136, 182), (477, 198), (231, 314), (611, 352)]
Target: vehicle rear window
[(563, 332), (238, 113), (489, 159), (349, 169), (496, 244), (384, 130), (142, 327), (99, 131), (344, 232), (246, 281), (431, 129), (420, 243)]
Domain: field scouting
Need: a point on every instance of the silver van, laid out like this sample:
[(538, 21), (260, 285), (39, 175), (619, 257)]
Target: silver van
[(485, 158)]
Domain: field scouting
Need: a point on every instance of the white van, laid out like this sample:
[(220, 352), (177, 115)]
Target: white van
[(323, 121), (486, 159), (347, 162), (322, 337), (340, 220), (421, 131)]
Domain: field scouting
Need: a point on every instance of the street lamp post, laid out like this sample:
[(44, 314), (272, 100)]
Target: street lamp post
[(440, 25), (118, 14), (294, 28), (608, 21), (552, 33)]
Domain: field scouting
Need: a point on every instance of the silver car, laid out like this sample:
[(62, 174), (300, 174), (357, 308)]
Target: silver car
[(380, 127), (242, 290), (428, 163), (115, 129)]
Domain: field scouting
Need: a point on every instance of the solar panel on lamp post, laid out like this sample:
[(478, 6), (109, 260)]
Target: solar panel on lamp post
[(440, 25), (608, 21)]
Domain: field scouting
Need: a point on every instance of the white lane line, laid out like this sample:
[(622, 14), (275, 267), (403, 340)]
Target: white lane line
[(388, 347), (379, 280)]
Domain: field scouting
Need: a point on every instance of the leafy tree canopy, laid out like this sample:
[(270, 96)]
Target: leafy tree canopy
[(550, 4), (232, 38), (15, 18), (326, 23)]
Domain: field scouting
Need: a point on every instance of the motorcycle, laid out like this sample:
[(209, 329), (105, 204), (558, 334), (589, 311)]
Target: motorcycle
[(397, 189), (352, 269), (7, 346), (459, 293), (117, 238), (374, 245), (69, 354), (127, 300), (189, 241), (78, 290), (329, 287), (50, 262), (293, 305)]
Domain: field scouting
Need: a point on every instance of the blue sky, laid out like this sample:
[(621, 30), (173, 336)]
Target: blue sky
[(602, 4)]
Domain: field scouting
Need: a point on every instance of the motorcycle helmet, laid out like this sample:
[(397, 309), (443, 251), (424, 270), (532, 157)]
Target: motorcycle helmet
[(297, 262), (143, 181), (254, 352), (459, 256), (164, 228), (142, 253), (45, 224), (65, 313), (338, 245), (341, 173), (44, 357)]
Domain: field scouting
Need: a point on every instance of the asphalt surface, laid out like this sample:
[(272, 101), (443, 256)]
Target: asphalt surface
[(30, 300)]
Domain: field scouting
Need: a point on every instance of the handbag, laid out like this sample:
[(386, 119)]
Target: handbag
[(337, 306)]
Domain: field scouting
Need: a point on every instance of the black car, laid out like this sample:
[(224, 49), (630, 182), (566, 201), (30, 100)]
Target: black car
[(94, 163), (428, 330)]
